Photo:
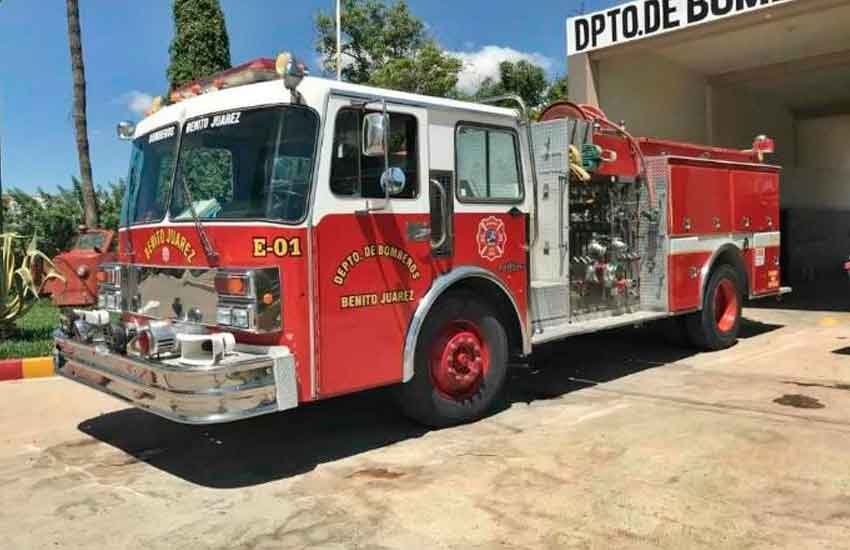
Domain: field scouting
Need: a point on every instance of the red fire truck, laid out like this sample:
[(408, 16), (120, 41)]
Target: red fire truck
[(78, 287), (286, 239)]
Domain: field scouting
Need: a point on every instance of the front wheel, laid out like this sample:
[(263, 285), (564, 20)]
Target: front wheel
[(716, 327), (460, 364)]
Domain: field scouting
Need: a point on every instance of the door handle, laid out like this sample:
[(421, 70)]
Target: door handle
[(444, 208)]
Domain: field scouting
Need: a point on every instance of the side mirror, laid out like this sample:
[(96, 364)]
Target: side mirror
[(393, 180), (126, 129), (375, 129)]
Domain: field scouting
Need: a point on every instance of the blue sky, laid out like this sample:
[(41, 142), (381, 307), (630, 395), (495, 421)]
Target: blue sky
[(125, 45)]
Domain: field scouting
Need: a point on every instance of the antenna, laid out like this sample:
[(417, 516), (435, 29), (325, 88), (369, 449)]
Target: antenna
[(338, 40)]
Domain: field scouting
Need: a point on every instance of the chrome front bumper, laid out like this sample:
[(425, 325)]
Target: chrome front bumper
[(251, 382)]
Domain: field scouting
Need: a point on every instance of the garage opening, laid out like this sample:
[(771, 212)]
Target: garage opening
[(783, 71)]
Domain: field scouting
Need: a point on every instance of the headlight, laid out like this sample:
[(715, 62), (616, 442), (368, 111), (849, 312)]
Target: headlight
[(240, 318), (83, 271), (223, 316)]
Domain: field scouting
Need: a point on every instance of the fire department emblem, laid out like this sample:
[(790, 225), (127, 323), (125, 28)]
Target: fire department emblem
[(166, 254), (491, 238)]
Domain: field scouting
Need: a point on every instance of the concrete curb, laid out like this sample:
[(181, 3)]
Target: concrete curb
[(34, 367)]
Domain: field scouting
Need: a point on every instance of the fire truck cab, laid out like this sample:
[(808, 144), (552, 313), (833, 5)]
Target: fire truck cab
[(286, 239)]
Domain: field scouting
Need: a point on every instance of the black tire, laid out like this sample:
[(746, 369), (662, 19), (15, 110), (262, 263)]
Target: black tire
[(716, 327), (422, 398)]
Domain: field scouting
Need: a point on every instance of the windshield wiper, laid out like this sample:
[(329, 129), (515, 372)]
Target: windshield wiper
[(212, 255)]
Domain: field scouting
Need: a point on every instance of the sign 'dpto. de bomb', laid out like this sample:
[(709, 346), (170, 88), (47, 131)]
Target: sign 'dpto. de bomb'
[(650, 17)]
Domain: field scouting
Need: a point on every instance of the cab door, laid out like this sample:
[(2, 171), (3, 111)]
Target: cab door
[(373, 256)]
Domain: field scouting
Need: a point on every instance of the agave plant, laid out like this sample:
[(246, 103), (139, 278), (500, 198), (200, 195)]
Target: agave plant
[(19, 289)]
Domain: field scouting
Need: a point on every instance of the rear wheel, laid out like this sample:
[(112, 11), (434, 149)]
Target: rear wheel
[(460, 363), (716, 326)]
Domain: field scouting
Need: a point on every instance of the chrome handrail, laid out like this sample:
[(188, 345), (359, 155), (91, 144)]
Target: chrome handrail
[(444, 210)]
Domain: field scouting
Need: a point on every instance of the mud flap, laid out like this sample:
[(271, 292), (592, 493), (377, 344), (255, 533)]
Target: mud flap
[(285, 378)]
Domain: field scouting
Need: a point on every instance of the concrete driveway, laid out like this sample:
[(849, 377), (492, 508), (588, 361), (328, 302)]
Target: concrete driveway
[(617, 440)]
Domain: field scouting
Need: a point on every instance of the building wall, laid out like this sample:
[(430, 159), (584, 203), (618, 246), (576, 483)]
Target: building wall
[(653, 96), (818, 220), (823, 159), (738, 115)]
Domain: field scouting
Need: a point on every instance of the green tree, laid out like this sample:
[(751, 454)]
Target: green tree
[(110, 198), (200, 46), (429, 71), (559, 89), (53, 218), (522, 78), (386, 46)]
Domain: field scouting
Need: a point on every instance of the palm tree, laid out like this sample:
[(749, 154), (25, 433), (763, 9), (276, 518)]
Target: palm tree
[(80, 124)]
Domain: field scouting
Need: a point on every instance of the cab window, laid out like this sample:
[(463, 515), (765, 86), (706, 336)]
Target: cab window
[(488, 168), (358, 176)]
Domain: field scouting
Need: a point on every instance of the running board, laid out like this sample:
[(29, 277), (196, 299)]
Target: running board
[(564, 330)]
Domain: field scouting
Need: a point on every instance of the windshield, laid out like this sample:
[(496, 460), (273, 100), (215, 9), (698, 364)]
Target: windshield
[(92, 240), (246, 164), (151, 165)]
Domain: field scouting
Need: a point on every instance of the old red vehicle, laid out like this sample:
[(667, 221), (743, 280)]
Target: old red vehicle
[(290, 239), (78, 267)]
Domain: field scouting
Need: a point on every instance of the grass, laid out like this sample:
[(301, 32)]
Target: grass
[(33, 334)]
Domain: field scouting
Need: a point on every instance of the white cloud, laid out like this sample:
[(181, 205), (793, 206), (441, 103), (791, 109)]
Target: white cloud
[(136, 101), (484, 63)]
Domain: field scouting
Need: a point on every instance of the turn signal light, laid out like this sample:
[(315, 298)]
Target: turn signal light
[(102, 277), (233, 285)]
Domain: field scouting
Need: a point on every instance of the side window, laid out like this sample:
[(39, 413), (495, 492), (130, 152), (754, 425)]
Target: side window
[(354, 175), (487, 165)]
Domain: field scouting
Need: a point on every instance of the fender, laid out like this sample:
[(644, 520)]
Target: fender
[(736, 247), (438, 288)]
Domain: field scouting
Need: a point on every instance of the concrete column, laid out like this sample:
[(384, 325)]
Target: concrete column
[(582, 73)]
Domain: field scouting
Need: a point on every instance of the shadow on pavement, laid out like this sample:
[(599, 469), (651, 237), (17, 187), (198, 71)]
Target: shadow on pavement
[(278, 446), (257, 450), (577, 363)]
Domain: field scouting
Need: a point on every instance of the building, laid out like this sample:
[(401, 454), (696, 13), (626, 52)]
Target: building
[(721, 72)]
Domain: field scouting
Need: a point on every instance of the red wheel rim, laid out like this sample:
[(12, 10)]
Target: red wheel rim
[(460, 360), (725, 305)]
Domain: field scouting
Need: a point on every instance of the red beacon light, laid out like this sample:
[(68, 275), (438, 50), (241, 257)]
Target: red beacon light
[(258, 70), (285, 67)]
